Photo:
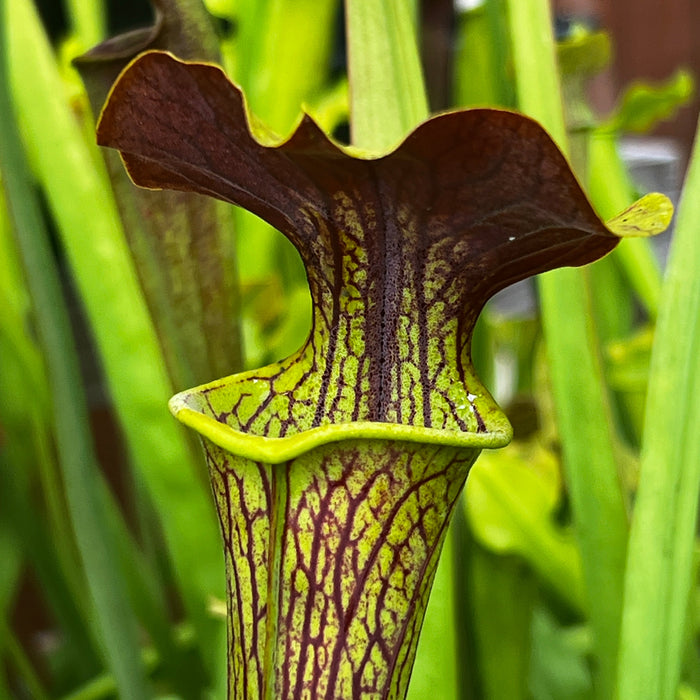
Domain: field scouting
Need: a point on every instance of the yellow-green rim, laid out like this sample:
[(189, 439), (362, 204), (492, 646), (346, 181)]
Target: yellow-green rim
[(277, 450)]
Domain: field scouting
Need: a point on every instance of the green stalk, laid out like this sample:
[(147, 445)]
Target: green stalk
[(89, 230), (24, 373), (28, 447), (536, 75), (662, 537), (88, 20), (10, 572), (66, 602), (482, 77), (577, 380), (47, 541), (504, 592), (74, 441), (387, 95), (276, 34)]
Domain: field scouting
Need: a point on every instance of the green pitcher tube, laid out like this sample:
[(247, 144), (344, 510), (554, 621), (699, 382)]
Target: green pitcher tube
[(331, 540)]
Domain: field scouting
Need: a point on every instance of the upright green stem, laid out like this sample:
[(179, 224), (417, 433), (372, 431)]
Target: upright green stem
[(387, 95), (536, 75), (74, 441), (88, 19), (581, 403), (662, 537), (91, 235)]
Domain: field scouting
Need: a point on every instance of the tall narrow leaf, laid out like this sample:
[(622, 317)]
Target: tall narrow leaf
[(90, 233), (74, 442), (662, 537), (387, 95), (581, 404)]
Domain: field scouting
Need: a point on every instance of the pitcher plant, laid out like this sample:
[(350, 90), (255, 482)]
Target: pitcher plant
[(336, 470)]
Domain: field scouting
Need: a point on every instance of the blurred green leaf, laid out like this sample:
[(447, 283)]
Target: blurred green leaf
[(584, 52), (686, 692), (88, 19), (629, 361), (388, 97), (511, 499), (90, 233), (19, 660), (559, 668), (11, 558), (74, 443), (483, 74), (644, 105), (581, 402), (662, 539), (503, 593), (437, 667)]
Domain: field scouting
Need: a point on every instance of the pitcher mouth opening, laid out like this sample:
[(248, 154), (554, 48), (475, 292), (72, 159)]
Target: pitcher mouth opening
[(275, 450)]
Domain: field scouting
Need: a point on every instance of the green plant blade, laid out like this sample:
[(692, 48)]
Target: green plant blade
[(643, 105), (47, 538), (658, 578), (91, 235), (437, 668), (386, 85), (581, 403), (72, 612), (275, 34), (70, 413), (510, 499), (482, 76), (11, 557), (503, 593), (534, 56), (18, 658), (589, 456), (88, 19)]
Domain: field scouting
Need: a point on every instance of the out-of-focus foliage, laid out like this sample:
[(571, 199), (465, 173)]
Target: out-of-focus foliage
[(534, 534)]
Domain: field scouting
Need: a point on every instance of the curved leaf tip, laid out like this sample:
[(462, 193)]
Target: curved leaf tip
[(648, 216)]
